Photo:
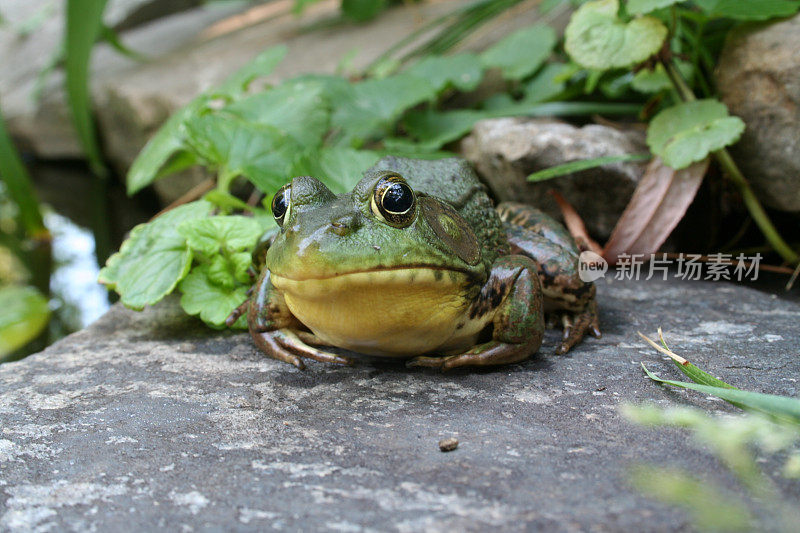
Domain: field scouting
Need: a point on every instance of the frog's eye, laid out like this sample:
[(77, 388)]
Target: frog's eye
[(393, 201), (281, 204)]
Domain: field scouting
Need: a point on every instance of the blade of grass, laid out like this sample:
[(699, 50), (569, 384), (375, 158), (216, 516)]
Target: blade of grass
[(84, 25), (694, 373), (780, 408), (584, 164)]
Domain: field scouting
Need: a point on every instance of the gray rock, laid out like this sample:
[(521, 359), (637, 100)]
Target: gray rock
[(759, 79), (507, 150), (151, 422)]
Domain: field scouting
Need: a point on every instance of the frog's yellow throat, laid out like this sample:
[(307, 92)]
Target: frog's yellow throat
[(394, 312)]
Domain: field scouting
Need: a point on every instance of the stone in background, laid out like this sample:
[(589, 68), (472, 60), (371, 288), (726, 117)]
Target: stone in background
[(759, 79), (507, 150)]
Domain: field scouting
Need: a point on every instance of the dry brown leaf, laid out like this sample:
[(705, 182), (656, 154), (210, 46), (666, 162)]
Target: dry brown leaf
[(575, 224), (657, 205)]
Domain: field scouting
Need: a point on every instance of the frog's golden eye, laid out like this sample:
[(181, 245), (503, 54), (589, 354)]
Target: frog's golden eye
[(393, 201), (281, 204)]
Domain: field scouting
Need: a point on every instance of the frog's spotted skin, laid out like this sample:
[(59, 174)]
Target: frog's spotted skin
[(415, 263)]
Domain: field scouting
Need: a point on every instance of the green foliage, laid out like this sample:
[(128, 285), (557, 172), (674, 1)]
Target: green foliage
[(522, 53), (641, 7), (153, 259), (23, 315), (362, 10), (749, 10), (688, 132), (597, 39), (84, 25), (462, 71)]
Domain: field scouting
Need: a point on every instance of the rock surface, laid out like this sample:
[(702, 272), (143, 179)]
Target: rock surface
[(759, 79), (148, 421), (507, 150)]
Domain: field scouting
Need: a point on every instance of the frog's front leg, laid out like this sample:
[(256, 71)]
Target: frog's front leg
[(512, 297), (276, 331), (536, 235)]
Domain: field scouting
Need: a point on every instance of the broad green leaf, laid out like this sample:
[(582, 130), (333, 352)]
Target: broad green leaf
[(655, 80), (338, 168), (84, 22), (597, 39), (162, 147), (213, 234), (362, 10), (153, 259), (711, 508), (462, 71), (547, 84), (435, 129), (23, 315), (640, 7), (688, 132), (782, 408), (368, 109), (261, 153), (212, 302), (584, 164), (296, 108), (262, 65), (749, 9), (226, 201), (520, 54)]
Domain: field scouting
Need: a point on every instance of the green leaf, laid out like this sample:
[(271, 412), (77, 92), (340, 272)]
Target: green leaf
[(520, 54), (23, 315), (296, 108), (749, 10), (781, 408), (370, 108), (213, 234), (655, 80), (547, 84), (153, 259), (640, 7), (435, 129), (362, 10), (462, 71), (162, 148), (84, 22), (262, 65), (584, 164), (597, 39), (338, 168), (261, 153), (689, 131), (711, 508), (19, 186), (201, 296)]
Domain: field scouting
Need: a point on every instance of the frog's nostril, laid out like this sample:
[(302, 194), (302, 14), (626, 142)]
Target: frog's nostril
[(343, 225)]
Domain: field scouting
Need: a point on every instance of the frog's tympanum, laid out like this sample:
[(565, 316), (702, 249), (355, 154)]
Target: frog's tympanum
[(416, 263)]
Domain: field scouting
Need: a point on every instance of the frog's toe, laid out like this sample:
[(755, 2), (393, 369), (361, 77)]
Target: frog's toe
[(286, 346), (577, 326), (426, 362)]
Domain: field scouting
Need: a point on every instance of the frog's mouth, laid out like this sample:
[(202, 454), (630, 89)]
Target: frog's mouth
[(403, 273)]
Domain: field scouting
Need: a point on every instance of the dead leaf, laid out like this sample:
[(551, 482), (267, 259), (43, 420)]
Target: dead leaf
[(657, 205), (575, 224)]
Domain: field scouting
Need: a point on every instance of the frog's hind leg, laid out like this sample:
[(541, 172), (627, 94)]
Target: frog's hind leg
[(568, 299), (512, 297)]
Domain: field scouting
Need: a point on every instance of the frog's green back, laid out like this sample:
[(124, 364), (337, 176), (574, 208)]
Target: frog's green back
[(454, 181)]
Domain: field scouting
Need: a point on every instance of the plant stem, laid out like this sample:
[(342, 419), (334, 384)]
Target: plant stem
[(735, 175)]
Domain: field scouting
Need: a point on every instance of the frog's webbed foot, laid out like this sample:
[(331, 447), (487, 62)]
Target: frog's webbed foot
[(285, 345), (486, 354), (577, 325)]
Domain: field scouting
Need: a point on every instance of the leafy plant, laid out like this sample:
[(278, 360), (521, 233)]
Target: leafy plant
[(647, 37)]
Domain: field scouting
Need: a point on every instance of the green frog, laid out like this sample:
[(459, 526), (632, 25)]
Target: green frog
[(417, 263)]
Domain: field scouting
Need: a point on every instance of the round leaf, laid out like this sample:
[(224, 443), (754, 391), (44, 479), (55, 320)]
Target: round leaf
[(520, 54), (201, 296), (688, 132), (23, 315), (597, 39)]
